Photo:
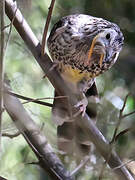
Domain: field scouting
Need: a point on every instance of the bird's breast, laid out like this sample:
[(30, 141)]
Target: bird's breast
[(74, 75)]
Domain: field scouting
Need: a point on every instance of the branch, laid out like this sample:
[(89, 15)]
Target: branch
[(102, 145), (80, 166), (112, 143), (46, 27), (2, 49), (2, 178), (35, 138), (119, 120), (121, 116), (10, 31), (30, 99), (128, 114), (37, 101), (11, 135), (125, 163)]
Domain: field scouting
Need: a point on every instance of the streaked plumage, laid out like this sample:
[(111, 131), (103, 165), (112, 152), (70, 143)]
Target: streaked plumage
[(85, 47)]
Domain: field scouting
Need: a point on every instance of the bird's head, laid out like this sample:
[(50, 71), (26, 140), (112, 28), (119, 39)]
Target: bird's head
[(107, 44)]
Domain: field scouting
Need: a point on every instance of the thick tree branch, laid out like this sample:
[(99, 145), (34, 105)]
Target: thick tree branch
[(2, 178), (94, 134), (35, 138)]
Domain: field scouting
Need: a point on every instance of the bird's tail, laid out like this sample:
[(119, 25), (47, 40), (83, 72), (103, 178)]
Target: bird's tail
[(72, 139)]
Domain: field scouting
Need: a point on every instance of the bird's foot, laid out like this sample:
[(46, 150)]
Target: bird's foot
[(82, 106)]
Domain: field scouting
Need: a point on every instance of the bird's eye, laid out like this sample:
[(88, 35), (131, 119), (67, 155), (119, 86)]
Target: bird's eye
[(108, 36)]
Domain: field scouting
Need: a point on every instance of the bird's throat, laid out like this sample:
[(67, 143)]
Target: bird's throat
[(74, 75)]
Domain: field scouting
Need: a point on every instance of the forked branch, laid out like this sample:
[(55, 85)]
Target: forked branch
[(35, 138)]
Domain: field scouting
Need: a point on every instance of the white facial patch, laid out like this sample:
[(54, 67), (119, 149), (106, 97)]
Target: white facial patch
[(117, 54)]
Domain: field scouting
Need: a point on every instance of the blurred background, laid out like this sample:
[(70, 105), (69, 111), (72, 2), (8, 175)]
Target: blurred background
[(26, 78)]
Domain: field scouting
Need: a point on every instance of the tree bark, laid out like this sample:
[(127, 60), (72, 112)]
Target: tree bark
[(35, 138)]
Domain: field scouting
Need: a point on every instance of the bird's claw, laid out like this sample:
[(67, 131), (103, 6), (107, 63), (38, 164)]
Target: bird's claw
[(82, 106)]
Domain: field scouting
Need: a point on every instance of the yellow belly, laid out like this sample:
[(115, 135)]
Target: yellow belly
[(74, 75)]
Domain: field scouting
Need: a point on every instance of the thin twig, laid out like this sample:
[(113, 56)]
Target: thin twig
[(6, 26), (33, 163), (125, 101), (123, 164), (2, 42), (113, 138), (125, 115), (10, 30), (120, 118), (115, 135), (124, 132), (46, 27), (11, 135), (38, 100), (112, 143), (30, 99), (82, 164)]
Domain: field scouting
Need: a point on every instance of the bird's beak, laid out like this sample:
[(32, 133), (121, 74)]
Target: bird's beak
[(91, 47), (101, 60), (97, 39)]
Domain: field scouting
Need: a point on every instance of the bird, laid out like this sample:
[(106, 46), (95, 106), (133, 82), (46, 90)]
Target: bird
[(83, 47)]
